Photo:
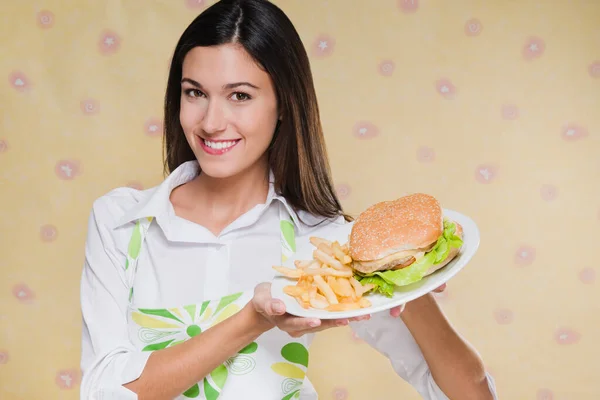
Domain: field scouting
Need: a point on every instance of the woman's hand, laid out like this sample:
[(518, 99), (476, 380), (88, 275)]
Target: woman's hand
[(271, 313), (396, 311)]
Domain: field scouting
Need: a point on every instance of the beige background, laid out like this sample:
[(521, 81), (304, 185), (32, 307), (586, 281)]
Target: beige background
[(491, 106)]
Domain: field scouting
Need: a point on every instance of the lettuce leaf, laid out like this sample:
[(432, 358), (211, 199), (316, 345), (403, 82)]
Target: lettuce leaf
[(416, 271), (381, 286)]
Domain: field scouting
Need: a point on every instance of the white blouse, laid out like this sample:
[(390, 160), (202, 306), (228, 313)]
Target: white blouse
[(184, 263)]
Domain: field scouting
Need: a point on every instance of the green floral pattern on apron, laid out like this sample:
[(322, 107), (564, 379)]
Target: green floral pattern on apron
[(159, 328), (162, 328), (294, 370)]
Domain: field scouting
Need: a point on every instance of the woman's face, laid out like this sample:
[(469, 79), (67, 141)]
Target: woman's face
[(228, 109)]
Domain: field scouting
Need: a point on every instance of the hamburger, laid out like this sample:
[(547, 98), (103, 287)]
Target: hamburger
[(399, 242)]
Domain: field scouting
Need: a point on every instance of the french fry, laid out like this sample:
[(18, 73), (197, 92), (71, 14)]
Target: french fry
[(316, 241), (326, 249), (293, 290), (339, 287), (319, 302), (329, 260), (343, 307), (345, 288), (358, 288), (312, 292), (327, 272), (327, 281), (304, 264), (339, 253), (302, 303), (288, 272), (325, 289), (301, 264), (367, 287), (364, 302), (305, 297)]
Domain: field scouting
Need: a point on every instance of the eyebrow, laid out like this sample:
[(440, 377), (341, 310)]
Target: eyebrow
[(227, 86)]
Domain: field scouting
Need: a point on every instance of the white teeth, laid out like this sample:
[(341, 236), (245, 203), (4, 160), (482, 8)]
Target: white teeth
[(219, 145)]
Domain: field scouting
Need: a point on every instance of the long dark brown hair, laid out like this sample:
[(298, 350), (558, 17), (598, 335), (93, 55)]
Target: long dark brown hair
[(297, 155)]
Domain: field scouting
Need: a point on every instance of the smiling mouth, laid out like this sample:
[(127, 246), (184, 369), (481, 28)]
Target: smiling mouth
[(218, 147)]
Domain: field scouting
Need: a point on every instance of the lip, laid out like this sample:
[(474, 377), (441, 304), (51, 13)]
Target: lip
[(217, 152)]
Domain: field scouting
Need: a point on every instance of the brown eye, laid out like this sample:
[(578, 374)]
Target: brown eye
[(240, 96), (193, 93)]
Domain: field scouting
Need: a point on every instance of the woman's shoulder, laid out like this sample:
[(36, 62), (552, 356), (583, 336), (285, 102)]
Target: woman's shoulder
[(114, 205)]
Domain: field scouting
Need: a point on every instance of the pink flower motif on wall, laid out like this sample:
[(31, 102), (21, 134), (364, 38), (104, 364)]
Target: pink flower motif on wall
[(446, 88), (386, 68), (473, 27), (45, 19), (343, 191), (534, 48), (23, 293), (510, 112), (3, 145), (323, 46), (594, 69), (566, 336), (544, 394), (425, 154), (19, 81), (48, 233), (67, 169), (109, 42), (339, 393), (154, 127), (486, 173), (89, 106), (195, 4), (4, 357), (67, 379), (135, 185), (548, 192), (525, 255), (573, 132), (587, 275), (408, 6), (365, 130), (503, 316)]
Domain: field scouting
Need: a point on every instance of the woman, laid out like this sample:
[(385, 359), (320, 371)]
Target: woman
[(245, 152)]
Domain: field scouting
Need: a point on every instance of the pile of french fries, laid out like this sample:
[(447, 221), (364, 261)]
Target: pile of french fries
[(327, 281)]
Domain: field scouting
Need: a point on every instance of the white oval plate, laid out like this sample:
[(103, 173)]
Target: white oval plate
[(401, 295)]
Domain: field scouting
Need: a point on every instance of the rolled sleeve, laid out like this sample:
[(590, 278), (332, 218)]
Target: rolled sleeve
[(390, 337), (108, 358)]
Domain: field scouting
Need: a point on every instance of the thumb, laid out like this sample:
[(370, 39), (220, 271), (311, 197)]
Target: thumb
[(264, 303)]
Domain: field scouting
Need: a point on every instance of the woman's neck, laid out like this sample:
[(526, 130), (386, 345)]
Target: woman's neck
[(216, 202)]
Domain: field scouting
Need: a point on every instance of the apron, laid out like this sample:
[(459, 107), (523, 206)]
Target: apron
[(271, 367)]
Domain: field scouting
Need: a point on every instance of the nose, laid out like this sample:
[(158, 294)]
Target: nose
[(214, 120)]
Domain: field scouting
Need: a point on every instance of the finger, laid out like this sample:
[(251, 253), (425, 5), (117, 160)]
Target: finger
[(275, 307), (307, 325), (440, 289), (396, 311), (295, 324), (361, 318), (262, 296), (264, 303), (327, 324)]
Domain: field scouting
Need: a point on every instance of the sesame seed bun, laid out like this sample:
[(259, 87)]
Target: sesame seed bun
[(409, 224)]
